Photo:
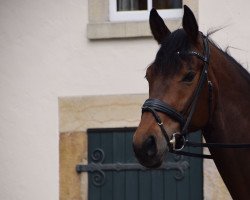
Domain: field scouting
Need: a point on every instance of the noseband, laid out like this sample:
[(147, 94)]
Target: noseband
[(178, 140)]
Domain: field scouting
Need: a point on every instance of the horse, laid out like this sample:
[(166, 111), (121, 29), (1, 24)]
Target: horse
[(195, 85)]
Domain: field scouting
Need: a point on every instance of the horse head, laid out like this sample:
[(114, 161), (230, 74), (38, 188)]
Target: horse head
[(174, 78)]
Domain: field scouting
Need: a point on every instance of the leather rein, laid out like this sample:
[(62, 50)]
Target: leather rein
[(178, 141)]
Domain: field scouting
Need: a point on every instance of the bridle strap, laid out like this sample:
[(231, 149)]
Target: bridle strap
[(195, 100), (164, 132), (159, 122), (196, 155), (203, 79), (218, 145), (161, 106)]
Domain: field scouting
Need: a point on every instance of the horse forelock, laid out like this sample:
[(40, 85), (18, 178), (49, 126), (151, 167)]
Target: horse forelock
[(167, 61)]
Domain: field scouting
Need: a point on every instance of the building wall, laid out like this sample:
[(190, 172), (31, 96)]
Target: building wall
[(45, 54)]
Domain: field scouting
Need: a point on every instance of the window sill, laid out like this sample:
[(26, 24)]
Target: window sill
[(124, 29)]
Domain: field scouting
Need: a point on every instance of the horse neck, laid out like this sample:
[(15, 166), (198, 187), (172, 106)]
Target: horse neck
[(231, 98), (230, 121)]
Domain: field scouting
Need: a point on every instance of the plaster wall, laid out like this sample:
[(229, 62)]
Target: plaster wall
[(45, 53)]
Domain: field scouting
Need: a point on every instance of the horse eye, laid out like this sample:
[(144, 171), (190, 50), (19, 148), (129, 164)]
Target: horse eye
[(189, 77)]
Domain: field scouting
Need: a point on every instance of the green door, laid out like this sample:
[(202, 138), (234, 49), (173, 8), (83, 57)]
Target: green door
[(114, 174)]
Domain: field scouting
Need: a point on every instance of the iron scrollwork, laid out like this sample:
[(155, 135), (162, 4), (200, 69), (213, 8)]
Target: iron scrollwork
[(98, 177), (98, 168)]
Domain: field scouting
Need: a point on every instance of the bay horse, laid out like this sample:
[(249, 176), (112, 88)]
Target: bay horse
[(194, 85)]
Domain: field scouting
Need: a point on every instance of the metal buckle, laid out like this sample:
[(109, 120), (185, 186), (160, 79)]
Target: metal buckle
[(160, 123), (173, 141)]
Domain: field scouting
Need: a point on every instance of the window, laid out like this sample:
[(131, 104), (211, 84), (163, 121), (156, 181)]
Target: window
[(138, 10), (129, 18)]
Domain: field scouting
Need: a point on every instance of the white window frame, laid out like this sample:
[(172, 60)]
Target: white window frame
[(142, 15)]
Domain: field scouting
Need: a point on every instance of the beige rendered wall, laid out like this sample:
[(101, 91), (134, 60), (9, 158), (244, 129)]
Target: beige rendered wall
[(45, 54)]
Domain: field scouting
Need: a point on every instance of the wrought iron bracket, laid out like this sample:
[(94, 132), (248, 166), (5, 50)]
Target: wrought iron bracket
[(98, 168)]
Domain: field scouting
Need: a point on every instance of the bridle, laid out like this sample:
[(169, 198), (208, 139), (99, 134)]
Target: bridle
[(178, 141)]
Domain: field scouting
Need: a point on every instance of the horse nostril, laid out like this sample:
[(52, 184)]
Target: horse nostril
[(150, 146)]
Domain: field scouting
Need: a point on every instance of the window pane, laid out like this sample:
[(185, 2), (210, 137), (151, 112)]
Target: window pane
[(128, 5), (167, 4)]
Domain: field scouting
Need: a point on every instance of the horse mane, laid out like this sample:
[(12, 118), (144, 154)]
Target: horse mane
[(240, 68), (232, 60)]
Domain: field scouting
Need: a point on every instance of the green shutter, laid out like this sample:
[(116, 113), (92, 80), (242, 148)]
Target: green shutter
[(112, 148)]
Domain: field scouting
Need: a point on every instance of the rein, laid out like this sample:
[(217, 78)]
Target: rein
[(178, 141)]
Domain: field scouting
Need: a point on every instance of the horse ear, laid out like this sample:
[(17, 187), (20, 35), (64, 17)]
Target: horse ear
[(189, 24), (157, 26)]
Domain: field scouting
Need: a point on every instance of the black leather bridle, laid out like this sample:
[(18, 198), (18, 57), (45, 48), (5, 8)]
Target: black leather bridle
[(178, 140)]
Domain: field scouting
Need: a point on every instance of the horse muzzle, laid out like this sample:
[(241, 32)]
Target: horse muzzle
[(150, 152)]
